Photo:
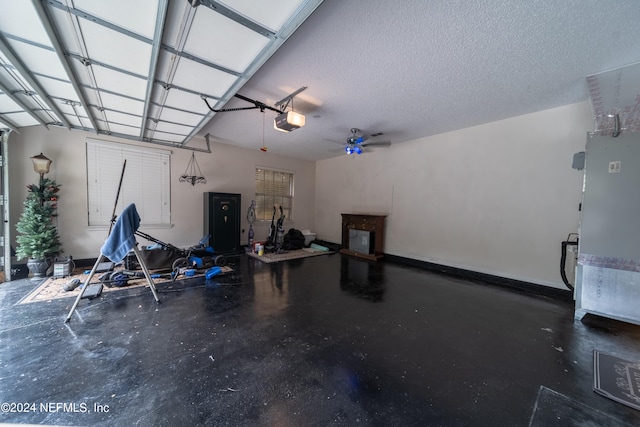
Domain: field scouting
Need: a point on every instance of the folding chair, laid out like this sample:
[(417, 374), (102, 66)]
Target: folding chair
[(120, 241)]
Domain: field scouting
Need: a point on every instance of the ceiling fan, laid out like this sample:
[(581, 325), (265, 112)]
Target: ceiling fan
[(356, 143)]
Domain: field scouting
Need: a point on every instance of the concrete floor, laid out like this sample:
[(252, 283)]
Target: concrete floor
[(329, 340)]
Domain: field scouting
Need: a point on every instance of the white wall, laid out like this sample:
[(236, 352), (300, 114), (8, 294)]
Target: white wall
[(497, 198), (227, 169)]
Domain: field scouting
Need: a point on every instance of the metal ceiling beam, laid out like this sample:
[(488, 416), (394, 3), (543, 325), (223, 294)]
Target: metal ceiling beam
[(234, 16), (211, 4), (151, 141), (57, 45), (113, 110), (110, 92), (26, 74), (142, 100), (177, 109), (181, 39), (11, 125), (183, 54), (171, 122), (8, 91), (83, 128), (25, 41), (97, 20), (157, 44), (289, 98), (88, 61), (153, 66), (157, 40), (168, 86), (111, 122)]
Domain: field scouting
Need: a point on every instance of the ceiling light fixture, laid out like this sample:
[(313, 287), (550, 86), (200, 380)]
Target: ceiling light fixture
[(353, 149), (190, 173)]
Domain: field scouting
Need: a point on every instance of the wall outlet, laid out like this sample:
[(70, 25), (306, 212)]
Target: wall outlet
[(614, 167)]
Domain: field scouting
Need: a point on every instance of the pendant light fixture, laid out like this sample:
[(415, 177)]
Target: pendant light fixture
[(192, 174)]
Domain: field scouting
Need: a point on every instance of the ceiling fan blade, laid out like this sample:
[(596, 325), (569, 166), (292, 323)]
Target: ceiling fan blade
[(355, 143), (377, 144), (373, 135)]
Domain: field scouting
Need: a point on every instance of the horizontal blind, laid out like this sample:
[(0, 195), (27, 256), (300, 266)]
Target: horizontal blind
[(146, 182), (273, 188)]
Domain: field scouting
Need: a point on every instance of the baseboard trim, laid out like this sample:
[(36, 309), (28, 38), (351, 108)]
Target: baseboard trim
[(518, 285)]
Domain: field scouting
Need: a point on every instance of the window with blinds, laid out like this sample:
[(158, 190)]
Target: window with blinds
[(273, 188), (146, 182)]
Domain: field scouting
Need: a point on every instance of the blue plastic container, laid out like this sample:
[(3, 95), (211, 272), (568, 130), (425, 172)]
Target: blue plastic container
[(213, 271)]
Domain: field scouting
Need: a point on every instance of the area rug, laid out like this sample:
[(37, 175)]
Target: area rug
[(555, 409), (53, 288), (288, 255), (617, 379)]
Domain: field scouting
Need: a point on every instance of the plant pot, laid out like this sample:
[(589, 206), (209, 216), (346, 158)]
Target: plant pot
[(38, 267)]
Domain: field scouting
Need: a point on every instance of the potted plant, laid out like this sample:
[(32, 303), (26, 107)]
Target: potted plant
[(39, 240)]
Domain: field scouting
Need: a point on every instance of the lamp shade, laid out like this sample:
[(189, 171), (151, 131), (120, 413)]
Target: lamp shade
[(41, 164)]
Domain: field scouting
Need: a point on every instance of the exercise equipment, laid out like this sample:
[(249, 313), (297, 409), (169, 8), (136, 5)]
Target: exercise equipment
[(120, 240)]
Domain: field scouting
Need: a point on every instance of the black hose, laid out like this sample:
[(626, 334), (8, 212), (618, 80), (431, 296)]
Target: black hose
[(563, 262)]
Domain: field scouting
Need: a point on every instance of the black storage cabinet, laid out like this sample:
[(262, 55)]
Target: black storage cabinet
[(222, 221)]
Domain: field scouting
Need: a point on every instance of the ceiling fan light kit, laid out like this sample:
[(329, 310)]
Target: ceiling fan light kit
[(353, 149), (355, 143)]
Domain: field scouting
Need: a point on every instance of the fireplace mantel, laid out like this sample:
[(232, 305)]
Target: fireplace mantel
[(373, 223)]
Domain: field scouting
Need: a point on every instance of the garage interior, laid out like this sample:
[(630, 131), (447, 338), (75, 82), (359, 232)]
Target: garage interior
[(497, 142)]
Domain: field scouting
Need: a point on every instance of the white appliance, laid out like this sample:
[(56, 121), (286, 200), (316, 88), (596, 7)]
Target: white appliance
[(608, 270)]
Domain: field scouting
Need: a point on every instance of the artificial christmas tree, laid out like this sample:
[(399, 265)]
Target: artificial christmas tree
[(39, 240)]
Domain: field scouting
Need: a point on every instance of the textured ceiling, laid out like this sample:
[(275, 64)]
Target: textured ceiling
[(407, 69), (417, 68)]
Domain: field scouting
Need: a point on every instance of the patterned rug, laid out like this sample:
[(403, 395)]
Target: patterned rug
[(53, 288), (285, 256)]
